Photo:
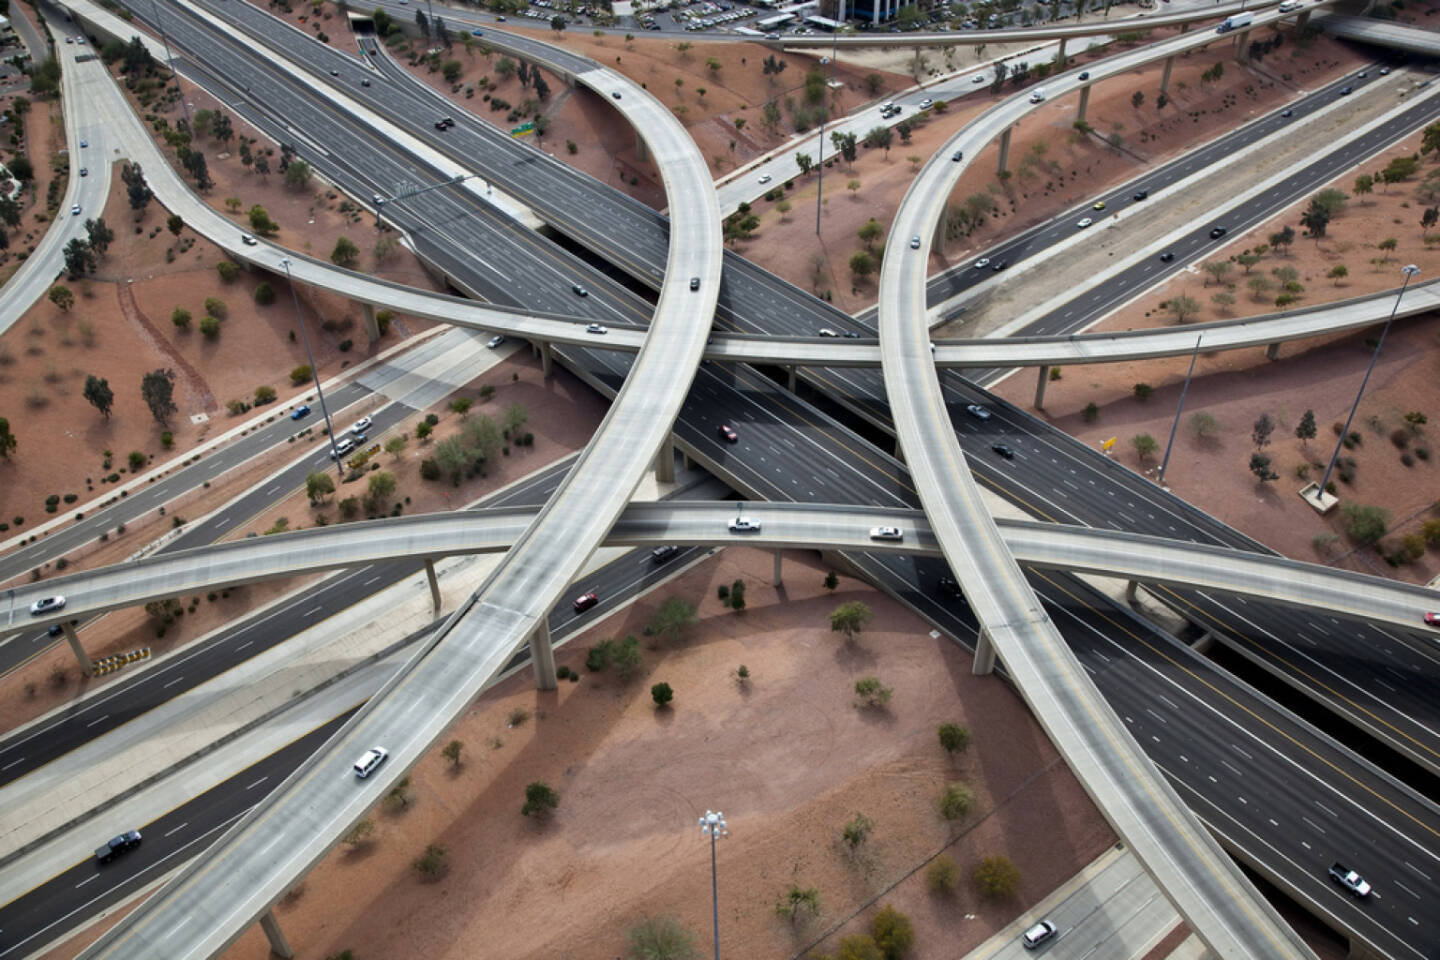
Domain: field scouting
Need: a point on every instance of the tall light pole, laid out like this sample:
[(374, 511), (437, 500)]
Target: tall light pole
[(170, 62), (1409, 270), (712, 825), (314, 371), (1169, 444)]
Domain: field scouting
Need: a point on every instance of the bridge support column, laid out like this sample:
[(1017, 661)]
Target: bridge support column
[(640, 150), (1165, 76), (1004, 149), (1203, 645), (1240, 48), (665, 461), (1302, 21), (775, 580), (547, 360), (899, 451), (372, 326), (1131, 588), (81, 657), (1272, 352), (790, 377), (278, 944), (984, 663), (542, 656), (1060, 56), (434, 587), (937, 241), (1084, 101), (1185, 27), (1040, 382)]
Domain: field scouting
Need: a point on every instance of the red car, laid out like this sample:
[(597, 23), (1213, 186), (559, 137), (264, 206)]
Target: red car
[(726, 434), (1433, 618), (585, 601)]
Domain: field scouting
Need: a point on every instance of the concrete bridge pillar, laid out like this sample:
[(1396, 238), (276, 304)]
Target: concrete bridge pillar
[(665, 461), (790, 377), (81, 657), (278, 944), (1004, 149), (1131, 589), (547, 360), (640, 152), (775, 580), (984, 663), (372, 326), (1084, 101), (1240, 42), (1185, 27), (434, 587), (899, 451), (1060, 56), (1040, 382), (1202, 646), (1302, 21), (542, 656), (937, 240), (1272, 352), (1165, 77)]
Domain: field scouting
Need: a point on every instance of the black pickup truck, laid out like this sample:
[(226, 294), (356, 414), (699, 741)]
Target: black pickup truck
[(127, 841)]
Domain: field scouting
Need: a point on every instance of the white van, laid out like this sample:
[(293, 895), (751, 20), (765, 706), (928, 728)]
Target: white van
[(1037, 95), (369, 760)]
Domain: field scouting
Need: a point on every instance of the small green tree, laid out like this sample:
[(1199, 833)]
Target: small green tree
[(956, 801), (627, 657), (1305, 429), (209, 327), (433, 863), (318, 486), (1143, 391), (180, 317), (62, 297), (831, 581), (996, 878), (1145, 446), (8, 442), (300, 374), (872, 692), (158, 389), (943, 874), (662, 694), (860, 946), (399, 796), (1260, 466), (1365, 524), (674, 619), (359, 834), (381, 488), (737, 595), (857, 831), (953, 737), (893, 932), (264, 294), (216, 308), (1182, 308), (660, 938), (99, 395), (175, 223), (1204, 424), (540, 800), (452, 752), (346, 254), (850, 619), (1338, 272), (798, 900)]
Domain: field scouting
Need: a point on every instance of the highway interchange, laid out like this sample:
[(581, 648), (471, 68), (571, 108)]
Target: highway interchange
[(738, 374)]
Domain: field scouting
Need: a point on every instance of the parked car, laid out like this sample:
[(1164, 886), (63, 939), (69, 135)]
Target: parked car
[(47, 605), (585, 601), (726, 433), (1004, 450), (664, 554), (886, 533), (360, 426), (124, 843), (300, 412), (369, 760), (977, 411), (744, 525)]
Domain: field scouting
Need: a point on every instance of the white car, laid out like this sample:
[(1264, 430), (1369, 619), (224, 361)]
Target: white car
[(982, 263), (827, 332), (764, 178), (977, 411), (361, 425), (978, 78), (744, 525), (342, 447), (75, 210), (927, 103), (47, 604), (1037, 96), (369, 760), (495, 341), (1038, 934), (598, 328), (886, 533), (1084, 222)]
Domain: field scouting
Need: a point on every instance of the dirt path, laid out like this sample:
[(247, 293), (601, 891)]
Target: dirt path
[(190, 378)]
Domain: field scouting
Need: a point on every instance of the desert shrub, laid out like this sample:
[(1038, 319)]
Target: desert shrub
[(943, 874), (996, 878), (264, 294), (953, 737), (956, 801), (300, 374), (429, 469), (893, 932), (432, 864), (660, 938), (228, 271), (540, 799)]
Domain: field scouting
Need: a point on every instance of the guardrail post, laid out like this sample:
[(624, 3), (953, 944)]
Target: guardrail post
[(665, 461), (1040, 382), (1272, 352), (542, 656), (1084, 101), (278, 944), (775, 580), (1005, 144), (434, 587), (372, 326), (1165, 76), (984, 663), (86, 667)]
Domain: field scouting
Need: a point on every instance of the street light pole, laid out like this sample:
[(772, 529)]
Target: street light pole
[(1170, 444), (170, 62), (1409, 270), (712, 825), (314, 371)]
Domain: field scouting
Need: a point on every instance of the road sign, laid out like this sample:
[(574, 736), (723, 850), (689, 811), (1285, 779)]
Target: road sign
[(1108, 444), (523, 129)]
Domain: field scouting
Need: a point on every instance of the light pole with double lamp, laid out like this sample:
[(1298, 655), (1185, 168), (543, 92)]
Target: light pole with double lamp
[(712, 825), (314, 371)]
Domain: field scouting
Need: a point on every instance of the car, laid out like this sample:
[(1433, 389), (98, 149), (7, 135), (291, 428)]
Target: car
[(84, 172), (597, 328), (1349, 879), (448, 121), (1362, 75), (47, 605), (369, 760), (69, 39), (727, 434), (342, 447), (694, 283), (79, 41), (1287, 113), (124, 843), (75, 210), (1084, 222), (851, 335), (579, 290), (824, 61), (84, 143), (495, 341), (1098, 205), (977, 411), (55, 629), (360, 426), (477, 33), (664, 554), (927, 103), (615, 94), (886, 533), (1346, 91), (300, 412), (1217, 232), (248, 240), (1432, 619), (1004, 450), (364, 81), (1037, 934), (1037, 96), (1141, 195), (1084, 75), (978, 78), (585, 601), (982, 263), (1384, 71), (948, 586), (958, 155), (915, 243), (744, 525), (334, 73), (999, 265), (827, 332), (1167, 256), (764, 178), (500, 19)]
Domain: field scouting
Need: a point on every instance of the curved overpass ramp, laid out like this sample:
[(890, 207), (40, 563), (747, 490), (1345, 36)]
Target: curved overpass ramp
[(783, 525), (1198, 878), (210, 903)]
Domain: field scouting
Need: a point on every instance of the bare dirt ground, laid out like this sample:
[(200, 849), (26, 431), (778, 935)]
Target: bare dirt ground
[(788, 757), (563, 415)]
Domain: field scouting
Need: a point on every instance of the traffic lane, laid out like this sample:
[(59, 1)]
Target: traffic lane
[(49, 912)]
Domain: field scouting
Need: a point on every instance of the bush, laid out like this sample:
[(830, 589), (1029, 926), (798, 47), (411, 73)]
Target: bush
[(1365, 524), (216, 308), (956, 801), (1091, 413), (228, 271), (893, 932), (264, 395), (660, 938), (662, 694), (180, 317), (429, 469), (996, 878), (1143, 391), (346, 345), (597, 658), (136, 460), (432, 864), (954, 737), (300, 374), (723, 592), (264, 294), (210, 327), (871, 692), (857, 831), (943, 874), (540, 799)]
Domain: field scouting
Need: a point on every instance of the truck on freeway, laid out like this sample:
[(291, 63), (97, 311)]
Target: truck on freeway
[(1235, 21), (1349, 879)]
